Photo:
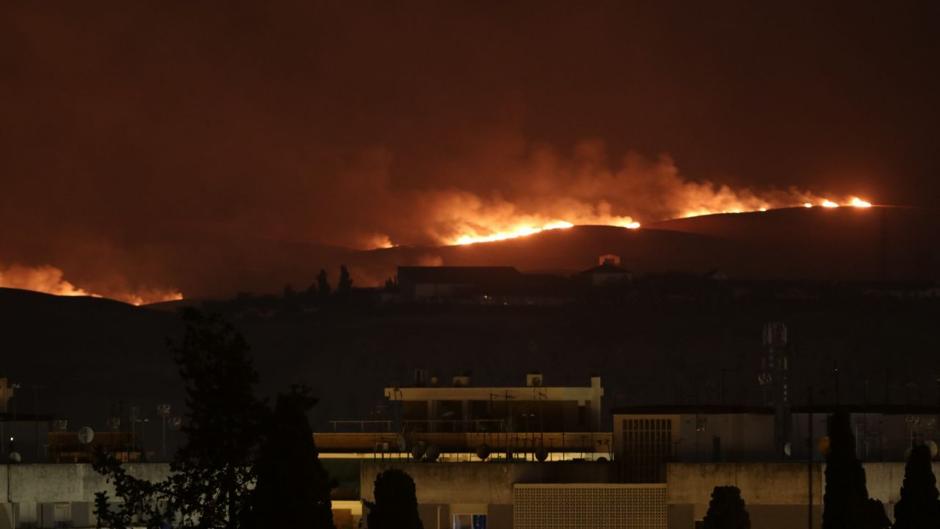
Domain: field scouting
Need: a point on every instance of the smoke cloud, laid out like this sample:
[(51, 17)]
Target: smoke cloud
[(46, 279), (542, 186), (50, 280), (205, 149)]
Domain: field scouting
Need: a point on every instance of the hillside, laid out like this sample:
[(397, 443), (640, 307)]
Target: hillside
[(880, 243)]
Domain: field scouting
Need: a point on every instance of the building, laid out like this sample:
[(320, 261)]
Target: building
[(65, 447), (462, 407), (463, 422), (484, 285), (468, 447), (608, 272), (442, 282), (526, 495), (647, 438)]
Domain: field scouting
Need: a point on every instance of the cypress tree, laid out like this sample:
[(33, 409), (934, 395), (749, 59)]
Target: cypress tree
[(345, 281), (727, 510), (293, 488), (323, 285), (212, 471), (919, 506), (396, 503), (846, 504)]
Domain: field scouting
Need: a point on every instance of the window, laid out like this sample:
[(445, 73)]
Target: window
[(469, 521), (647, 445)]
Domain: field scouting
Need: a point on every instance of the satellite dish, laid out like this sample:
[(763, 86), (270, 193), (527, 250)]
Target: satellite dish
[(86, 435), (15, 457), (541, 454), (417, 451), (788, 449)]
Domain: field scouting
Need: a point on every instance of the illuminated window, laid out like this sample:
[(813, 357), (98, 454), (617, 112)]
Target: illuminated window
[(469, 521)]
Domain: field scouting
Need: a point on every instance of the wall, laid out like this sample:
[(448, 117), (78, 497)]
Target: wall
[(776, 493), (589, 506), (443, 488), (43, 494), (744, 437)]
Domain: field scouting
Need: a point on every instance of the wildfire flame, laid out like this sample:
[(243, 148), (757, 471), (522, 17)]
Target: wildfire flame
[(50, 280), (526, 227)]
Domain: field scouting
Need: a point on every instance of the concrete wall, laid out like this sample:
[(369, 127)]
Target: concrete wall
[(44, 494), (590, 506), (776, 493), (743, 436), (489, 483), (446, 488), (65, 482)]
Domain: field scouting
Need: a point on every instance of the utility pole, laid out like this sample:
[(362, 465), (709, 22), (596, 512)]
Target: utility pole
[(809, 457), (774, 377), (835, 377), (163, 410)]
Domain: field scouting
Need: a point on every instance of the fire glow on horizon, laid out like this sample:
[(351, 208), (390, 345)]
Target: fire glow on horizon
[(50, 280), (524, 229)]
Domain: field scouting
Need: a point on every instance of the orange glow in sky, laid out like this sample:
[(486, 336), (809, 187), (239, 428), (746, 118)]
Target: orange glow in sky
[(480, 227)]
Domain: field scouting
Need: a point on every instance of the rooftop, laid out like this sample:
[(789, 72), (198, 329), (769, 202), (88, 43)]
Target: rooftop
[(722, 409)]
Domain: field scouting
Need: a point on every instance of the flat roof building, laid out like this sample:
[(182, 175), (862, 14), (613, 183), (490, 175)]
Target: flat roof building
[(534, 407), (646, 438)]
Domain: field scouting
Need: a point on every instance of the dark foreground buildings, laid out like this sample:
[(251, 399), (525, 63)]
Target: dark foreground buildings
[(541, 456)]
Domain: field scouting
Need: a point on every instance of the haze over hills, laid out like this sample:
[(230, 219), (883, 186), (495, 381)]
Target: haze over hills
[(842, 244), (878, 243), (89, 355), (845, 243)]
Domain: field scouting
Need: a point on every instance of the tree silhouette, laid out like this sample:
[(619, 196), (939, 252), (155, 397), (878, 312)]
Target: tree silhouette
[(323, 285), (289, 292), (293, 488), (213, 468), (396, 504), (727, 510), (211, 474), (846, 504), (345, 282), (919, 506)]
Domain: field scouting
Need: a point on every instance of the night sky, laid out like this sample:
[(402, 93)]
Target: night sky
[(142, 140)]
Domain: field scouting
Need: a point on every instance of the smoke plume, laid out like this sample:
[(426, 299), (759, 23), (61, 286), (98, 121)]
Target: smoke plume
[(205, 148)]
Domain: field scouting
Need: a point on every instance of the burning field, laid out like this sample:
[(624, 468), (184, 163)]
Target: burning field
[(266, 240), (50, 280)]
